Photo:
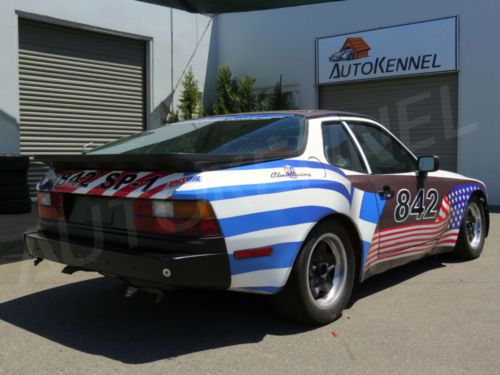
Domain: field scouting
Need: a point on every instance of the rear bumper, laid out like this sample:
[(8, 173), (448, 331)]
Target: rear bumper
[(138, 267)]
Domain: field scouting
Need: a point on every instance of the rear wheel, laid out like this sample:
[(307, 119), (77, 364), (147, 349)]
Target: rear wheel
[(322, 278), (472, 231)]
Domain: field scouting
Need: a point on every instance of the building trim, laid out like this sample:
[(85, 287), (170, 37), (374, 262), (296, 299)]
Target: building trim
[(78, 25), (148, 52), (403, 76), (389, 27)]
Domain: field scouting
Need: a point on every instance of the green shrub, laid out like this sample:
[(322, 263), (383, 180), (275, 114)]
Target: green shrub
[(232, 96), (227, 92), (190, 100), (247, 101), (279, 100), (172, 116)]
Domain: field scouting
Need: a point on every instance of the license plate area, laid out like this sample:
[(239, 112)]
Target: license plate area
[(104, 212)]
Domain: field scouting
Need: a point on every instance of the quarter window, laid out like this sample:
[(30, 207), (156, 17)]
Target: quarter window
[(339, 148), (384, 154)]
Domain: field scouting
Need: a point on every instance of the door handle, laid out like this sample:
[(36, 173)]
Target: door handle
[(386, 192)]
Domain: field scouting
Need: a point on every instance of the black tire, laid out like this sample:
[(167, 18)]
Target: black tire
[(296, 300), (18, 206), (14, 163), (472, 234), (12, 178), (8, 192)]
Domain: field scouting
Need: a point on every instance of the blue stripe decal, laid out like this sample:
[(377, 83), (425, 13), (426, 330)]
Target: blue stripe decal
[(370, 208), (272, 219), (381, 204), (265, 289), (283, 256), (238, 191)]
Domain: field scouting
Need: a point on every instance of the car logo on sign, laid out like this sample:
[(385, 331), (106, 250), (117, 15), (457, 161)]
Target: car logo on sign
[(353, 48)]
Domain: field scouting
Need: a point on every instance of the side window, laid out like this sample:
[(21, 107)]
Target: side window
[(383, 152), (339, 148)]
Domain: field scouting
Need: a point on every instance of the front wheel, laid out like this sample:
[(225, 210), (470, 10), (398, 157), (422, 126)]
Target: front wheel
[(472, 231), (322, 278)]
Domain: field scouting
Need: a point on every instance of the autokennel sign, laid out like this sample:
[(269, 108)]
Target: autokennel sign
[(418, 48)]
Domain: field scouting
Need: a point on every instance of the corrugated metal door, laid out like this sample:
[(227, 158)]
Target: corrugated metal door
[(76, 87), (421, 111)]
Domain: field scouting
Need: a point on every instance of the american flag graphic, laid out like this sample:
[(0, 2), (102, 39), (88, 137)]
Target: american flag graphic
[(406, 240)]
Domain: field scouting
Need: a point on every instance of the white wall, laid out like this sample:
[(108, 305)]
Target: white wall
[(267, 43), (125, 16)]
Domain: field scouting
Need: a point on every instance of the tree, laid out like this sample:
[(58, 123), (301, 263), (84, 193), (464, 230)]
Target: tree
[(171, 117), (227, 92), (246, 99), (262, 102), (190, 96), (279, 100)]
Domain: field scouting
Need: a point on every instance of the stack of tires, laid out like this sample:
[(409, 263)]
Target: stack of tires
[(14, 190)]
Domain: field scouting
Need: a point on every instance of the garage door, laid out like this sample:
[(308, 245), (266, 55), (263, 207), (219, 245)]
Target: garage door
[(421, 111), (76, 87)]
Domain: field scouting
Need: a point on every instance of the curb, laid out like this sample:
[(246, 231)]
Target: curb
[(10, 244), (494, 209), (12, 251)]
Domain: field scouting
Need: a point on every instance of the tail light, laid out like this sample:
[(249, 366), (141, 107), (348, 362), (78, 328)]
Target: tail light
[(183, 218), (50, 206)]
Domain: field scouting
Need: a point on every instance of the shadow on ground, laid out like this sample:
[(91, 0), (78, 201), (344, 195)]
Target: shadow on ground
[(398, 275), (93, 317)]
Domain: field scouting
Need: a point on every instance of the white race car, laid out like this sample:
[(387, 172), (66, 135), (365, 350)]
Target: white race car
[(344, 55), (296, 204)]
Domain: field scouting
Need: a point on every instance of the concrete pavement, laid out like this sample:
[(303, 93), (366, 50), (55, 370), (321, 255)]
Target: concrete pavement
[(435, 316)]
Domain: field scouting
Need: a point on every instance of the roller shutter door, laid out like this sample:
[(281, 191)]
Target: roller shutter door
[(76, 87), (421, 111)]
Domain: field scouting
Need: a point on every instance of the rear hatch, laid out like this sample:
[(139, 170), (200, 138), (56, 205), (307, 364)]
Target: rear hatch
[(128, 185), (94, 196), (93, 203)]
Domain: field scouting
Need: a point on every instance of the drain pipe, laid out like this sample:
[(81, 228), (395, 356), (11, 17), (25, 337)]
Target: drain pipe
[(172, 58)]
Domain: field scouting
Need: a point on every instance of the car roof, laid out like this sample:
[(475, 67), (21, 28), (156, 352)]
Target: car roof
[(309, 114)]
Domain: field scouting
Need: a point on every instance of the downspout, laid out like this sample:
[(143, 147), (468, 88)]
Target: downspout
[(172, 59)]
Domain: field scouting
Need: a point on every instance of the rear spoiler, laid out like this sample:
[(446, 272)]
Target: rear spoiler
[(157, 162)]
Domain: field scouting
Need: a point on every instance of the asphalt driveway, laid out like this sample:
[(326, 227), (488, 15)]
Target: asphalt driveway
[(433, 316)]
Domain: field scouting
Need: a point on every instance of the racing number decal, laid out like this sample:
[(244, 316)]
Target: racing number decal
[(402, 210), (87, 178), (119, 180), (423, 206), (115, 180), (433, 196)]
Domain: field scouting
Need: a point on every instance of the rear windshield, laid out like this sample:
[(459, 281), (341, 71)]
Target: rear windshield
[(231, 135)]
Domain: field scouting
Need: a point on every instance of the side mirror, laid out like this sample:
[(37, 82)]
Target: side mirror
[(428, 163)]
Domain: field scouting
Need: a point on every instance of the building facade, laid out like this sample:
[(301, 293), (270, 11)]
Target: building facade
[(80, 72), (443, 101), (77, 73)]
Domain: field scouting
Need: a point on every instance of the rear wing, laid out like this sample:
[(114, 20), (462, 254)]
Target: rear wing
[(158, 162)]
